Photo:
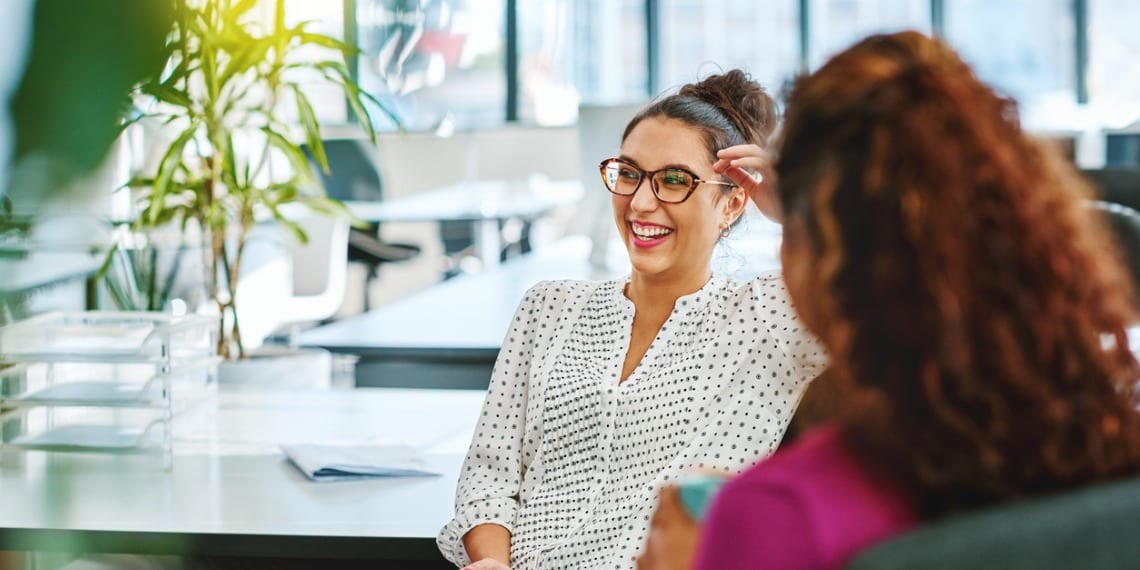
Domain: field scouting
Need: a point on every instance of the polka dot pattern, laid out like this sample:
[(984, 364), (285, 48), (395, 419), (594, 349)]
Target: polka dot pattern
[(570, 460)]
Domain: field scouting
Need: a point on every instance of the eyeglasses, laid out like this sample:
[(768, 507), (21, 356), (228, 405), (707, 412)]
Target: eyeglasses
[(669, 185)]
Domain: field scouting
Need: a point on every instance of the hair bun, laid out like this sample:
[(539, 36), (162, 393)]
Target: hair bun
[(742, 101)]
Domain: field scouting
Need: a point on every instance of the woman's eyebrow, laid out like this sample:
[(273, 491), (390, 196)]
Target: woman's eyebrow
[(675, 165)]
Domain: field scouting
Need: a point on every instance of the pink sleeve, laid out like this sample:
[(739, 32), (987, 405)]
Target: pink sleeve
[(757, 525)]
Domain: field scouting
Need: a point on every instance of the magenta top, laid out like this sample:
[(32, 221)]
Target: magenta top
[(809, 506)]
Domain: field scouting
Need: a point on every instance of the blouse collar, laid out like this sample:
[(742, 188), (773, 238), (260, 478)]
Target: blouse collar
[(684, 303)]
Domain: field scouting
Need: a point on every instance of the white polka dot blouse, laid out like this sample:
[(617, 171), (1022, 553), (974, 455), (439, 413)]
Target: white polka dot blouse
[(569, 460)]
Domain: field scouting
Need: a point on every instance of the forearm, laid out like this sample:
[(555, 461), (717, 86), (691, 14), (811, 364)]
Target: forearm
[(488, 541)]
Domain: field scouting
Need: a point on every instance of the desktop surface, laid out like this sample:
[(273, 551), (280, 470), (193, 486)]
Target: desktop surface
[(231, 492)]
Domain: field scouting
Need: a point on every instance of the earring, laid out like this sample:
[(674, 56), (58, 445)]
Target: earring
[(725, 231)]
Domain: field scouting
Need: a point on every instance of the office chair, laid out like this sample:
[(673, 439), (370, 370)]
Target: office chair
[(319, 269), (353, 176), (1091, 528), (458, 238), (1117, 185), (1122, 149), (1124, 222)]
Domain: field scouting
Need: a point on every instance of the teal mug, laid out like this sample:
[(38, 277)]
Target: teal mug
[(697, 492)]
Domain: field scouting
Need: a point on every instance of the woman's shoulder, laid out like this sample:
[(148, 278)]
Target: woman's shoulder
[(813, 495), (764, 296), (763, 287), (823, 476), (561, 291)]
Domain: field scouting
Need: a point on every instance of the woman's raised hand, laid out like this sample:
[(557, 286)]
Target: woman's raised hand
[(750, 167)]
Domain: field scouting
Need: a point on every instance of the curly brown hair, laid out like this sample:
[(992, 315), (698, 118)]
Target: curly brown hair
[(976, 324)]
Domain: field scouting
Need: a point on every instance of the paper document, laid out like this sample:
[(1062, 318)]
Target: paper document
[(344, 462)]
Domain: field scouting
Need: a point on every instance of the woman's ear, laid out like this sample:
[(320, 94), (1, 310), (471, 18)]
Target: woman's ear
[(734, 205)]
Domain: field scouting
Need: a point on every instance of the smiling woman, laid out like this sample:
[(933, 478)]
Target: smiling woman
[(606, 390)]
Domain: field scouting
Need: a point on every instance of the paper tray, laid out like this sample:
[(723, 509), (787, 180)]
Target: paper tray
[(93, 438), (108, 336)]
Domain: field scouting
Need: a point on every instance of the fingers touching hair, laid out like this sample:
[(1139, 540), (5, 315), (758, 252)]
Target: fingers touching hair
[(729, 109)]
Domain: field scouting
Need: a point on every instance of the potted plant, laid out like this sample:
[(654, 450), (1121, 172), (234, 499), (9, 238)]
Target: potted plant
[(227, 80)]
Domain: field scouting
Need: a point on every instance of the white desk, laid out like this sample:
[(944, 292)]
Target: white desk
[(231, 492), (483, 203)]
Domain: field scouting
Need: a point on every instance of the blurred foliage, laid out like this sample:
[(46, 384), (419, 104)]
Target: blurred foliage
[(227, 79), (83, 58)]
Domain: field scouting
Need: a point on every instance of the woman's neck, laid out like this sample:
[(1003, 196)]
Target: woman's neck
[(661, 293)]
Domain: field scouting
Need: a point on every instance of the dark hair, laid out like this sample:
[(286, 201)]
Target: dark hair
[(976, 330), (729, 109)]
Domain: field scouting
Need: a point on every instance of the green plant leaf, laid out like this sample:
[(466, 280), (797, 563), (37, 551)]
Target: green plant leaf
[(311, 127), (138, 182), (247, 56), (293, 154), (363, 118), (167, 166), (322, 40), (113, 287), (327, 206), (172, 274), (241, 7), (106, 265), (283, 192), (171, 95), (229, 162), (293, 228)]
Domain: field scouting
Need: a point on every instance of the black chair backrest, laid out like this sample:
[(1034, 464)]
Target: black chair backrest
[(1122, 149), (353, 174), (1124, 223), (1094, 528), (1119, 185)]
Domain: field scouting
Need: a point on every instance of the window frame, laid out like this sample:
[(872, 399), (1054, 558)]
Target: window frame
[(652, 15)]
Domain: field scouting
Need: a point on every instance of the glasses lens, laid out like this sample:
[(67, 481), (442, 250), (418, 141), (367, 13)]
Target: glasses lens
[(673, 185), (620, 178)]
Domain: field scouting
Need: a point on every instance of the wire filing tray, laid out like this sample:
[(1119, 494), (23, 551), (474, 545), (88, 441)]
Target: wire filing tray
[(106, 382)]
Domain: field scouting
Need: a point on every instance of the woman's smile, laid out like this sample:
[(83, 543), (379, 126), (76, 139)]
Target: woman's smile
[(645, 234)]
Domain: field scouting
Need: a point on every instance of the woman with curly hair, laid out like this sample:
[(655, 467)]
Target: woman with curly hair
[(975, 326)]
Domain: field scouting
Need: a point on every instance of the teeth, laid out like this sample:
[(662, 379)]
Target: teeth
[(648, 232)]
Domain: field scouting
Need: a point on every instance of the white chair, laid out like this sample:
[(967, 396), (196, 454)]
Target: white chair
[(320, 269), (265, 283), (286, 283)]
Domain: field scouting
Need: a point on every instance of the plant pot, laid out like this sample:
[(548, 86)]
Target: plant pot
[(279, 367)]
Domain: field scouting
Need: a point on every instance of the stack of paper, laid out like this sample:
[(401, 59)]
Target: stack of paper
[(344, 462)]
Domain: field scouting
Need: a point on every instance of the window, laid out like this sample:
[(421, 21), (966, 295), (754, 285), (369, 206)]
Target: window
[(698, 38), (574, 51), (1114, 58), (327, 100), (440, 64), (837, 24), (1025, 48), (611, 42)]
